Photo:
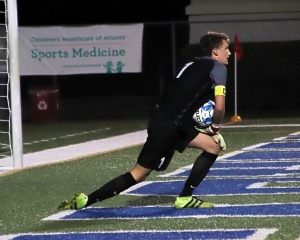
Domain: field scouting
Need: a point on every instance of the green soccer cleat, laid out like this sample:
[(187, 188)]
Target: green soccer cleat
[(78, 202), (191, 202)]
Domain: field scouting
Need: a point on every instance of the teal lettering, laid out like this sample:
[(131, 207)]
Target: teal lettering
[(40, 55), (122, 52), (86, 53), (97, 52), (34, 53), (93, 52), (76, 53)]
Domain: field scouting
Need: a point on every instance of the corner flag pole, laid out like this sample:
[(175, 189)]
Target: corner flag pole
[(235, 85), (237, 55)]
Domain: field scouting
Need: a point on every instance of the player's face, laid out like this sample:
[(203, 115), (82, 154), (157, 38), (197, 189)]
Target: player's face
[(222, 54)]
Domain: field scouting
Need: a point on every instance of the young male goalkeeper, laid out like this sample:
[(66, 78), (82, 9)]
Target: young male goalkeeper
[(171, 127)]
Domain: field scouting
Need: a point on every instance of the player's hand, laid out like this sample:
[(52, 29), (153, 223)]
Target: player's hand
[(218, 138), (211, 130)]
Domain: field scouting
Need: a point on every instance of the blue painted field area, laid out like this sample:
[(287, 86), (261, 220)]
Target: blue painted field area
[(255, 164), (250, 210), (217, 187), (281, 145), (267, 170), (246, 172), (151, 235), (292, 137), (271, 155)]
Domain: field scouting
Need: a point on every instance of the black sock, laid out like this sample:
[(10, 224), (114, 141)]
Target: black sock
[(112, 188), (199, 171)]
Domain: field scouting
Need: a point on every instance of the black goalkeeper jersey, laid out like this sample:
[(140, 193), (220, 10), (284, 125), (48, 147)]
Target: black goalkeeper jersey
[(192, 87)]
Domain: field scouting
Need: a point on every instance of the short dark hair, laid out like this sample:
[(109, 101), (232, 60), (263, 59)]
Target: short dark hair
[(212, 40)]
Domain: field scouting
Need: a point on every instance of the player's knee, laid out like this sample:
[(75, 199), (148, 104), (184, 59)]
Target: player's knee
[(212, 147), (141, 178), (140, 173), (206, 143)]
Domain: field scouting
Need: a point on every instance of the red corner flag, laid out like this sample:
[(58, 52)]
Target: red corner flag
[(237, 48)]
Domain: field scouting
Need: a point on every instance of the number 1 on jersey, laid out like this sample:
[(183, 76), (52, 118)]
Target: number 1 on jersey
[(161, 162)]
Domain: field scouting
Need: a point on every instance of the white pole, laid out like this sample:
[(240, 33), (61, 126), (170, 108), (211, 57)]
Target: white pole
[(15, 93), (235, 85)]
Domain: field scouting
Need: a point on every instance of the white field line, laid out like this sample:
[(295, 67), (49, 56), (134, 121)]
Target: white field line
[(227, 155), (135, 187), (257, 185), (5, 168), (293, 167), (286, 138), (90, 148), (260, 233), (264, 184), (80, 150), (255, 146), (261, 126), (295, 134), (275, 150), (67, 136), (219, 195), (276, 175), (261, 160)]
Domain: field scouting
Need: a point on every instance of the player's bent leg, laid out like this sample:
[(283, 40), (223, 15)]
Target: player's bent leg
[(108, 190), (199, 171), (206, 143)]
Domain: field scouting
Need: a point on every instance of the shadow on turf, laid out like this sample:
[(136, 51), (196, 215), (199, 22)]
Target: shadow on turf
[(151, 200), (62, 226)]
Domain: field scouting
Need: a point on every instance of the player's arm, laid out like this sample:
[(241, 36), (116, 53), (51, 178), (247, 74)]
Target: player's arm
[(219, 76), (219, 110)]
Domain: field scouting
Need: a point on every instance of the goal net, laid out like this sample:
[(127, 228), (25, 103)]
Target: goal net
[(5, 112)]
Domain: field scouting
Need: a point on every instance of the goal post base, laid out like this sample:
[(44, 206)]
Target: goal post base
[(235, 119)]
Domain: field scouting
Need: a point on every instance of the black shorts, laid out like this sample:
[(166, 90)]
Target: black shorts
[(164, 138)]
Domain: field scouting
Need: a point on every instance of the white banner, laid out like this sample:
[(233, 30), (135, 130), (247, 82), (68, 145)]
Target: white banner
[(78, 50)]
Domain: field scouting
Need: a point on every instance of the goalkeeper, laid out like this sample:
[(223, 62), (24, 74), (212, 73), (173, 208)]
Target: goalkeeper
[(171, 127)]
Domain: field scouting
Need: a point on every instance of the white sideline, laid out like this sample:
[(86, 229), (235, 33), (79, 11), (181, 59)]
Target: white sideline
[(80, 150), (94, 147)]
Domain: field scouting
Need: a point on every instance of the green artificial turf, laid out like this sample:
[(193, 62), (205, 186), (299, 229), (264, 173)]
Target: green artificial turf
[(30, 195)]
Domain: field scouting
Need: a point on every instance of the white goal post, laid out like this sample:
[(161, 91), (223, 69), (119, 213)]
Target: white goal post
[(14, 77)]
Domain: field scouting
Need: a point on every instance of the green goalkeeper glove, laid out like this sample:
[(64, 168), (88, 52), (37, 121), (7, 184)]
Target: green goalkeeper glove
[(218, 138)]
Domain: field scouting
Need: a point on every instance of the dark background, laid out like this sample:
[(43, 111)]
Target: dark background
[(61, 12), (133, 93), (268, 71)]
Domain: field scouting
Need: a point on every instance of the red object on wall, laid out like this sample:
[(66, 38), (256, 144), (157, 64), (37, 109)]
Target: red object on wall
[(44, 104)]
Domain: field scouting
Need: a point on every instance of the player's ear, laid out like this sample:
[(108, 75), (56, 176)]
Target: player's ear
[(215, 52)]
